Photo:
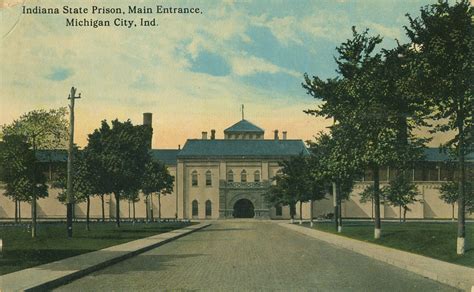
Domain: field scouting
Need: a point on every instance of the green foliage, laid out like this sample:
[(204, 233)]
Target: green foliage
[(401, 191), (442, 37), (295, 182), (42, 129), (119, 154), (85, 179), (450, 194), (156, 179), (18, 170)]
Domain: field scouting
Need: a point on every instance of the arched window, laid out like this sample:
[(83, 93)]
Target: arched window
[(243, 176), (230, 176), (208, 178), (194, 178), (208, 208), (256, 176), (278, 210), (195, 209)]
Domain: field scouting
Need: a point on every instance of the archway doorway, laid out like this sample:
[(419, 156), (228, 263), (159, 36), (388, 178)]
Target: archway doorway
[(243, 208)]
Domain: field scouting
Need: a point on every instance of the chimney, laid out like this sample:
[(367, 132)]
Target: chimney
[(147, 121), (204, 135), (213, 134), (179, 147), (284, 135), (276, 134)]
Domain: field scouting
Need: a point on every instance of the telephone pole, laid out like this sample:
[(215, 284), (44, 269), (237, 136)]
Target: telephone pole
[(70, 155)]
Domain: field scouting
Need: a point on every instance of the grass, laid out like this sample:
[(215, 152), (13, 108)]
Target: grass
[(432, 239), (20, 251)]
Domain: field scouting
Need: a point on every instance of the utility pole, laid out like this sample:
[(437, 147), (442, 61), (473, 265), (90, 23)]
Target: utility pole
[(70, 153)]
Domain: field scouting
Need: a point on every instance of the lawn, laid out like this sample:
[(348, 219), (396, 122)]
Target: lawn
[(20, 251), (432, 239)]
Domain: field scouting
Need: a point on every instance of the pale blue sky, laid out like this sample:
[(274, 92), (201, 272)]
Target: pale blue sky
[(192, 72)]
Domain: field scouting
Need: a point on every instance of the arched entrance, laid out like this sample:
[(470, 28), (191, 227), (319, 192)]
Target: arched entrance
[(243, 208)]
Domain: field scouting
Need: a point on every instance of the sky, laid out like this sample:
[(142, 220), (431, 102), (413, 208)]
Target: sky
[(193, 72)]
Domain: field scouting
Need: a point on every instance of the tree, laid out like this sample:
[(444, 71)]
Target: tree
[(333, 161), (84, 185), (442, 37), (157, 179), (120, 152), (400, 193), (295, 183), (361, 101), (43, 130), (450, 195), (15, 157), (132, 196)]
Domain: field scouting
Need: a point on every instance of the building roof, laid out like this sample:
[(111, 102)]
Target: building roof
[(167, 156), (242, 148), (244, 126), (235, 148), (53, 155), (435, 154)]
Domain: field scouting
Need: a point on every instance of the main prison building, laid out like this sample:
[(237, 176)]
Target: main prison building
[(226, 178)]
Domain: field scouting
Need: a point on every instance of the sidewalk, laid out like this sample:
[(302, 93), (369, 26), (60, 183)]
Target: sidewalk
[(454, 275), (51, 275)]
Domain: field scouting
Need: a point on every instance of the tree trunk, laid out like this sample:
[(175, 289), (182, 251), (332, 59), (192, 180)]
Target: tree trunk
[(452, 213), (117, 209), (129, 209), (377, 230), (400, 213), (147, 209), (151, 208), (404, 215), (292, 212), (339, 208), (461, 240), (16, 211), (19, 211), (311, 204), (301, 212), (133, 203), (159, 206), (103, 207), (33, 217), (88, 212), (336, 206)]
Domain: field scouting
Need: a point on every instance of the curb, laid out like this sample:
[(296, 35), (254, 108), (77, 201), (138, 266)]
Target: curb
[(39, 278), (451, 274)]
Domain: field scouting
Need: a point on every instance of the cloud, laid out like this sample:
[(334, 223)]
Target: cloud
[(247, 65), (59, 74)]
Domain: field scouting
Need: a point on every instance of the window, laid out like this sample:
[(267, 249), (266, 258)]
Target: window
[(427, 171), (278, 210), (194, 178), (195, 208), (208, 208), (256, 176), (230, 176), (243, 176), (208, 178)]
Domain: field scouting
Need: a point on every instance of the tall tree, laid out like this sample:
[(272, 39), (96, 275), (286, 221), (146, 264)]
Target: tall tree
[(157, 180), (334, 161), (443, 39), (24, 181), (362, 102), (43, 130), (120, 152)]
